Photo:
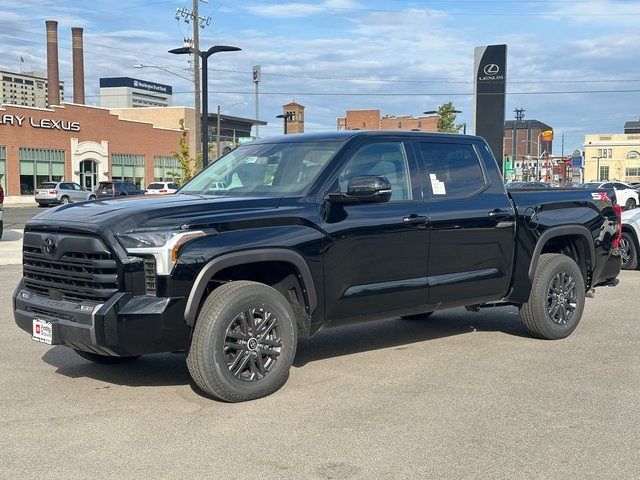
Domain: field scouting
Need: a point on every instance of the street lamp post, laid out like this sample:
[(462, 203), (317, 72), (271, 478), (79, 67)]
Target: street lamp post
[(204, 55), (220, 110), (285, 117)]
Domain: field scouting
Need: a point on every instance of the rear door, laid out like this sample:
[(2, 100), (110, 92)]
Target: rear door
[(472, 227)]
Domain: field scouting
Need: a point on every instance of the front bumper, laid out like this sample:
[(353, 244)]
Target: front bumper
[(123, 325)]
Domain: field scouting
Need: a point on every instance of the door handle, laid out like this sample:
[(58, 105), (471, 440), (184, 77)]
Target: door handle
[(498, 214), (414, 219)]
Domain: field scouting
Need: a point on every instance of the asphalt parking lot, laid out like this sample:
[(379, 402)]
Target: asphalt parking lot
[(461, 395)]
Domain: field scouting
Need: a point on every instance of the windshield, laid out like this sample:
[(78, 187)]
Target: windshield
[(264, 169)]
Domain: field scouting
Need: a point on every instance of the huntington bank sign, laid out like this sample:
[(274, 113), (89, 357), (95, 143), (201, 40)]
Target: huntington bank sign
[(490, 79), (44, 123)]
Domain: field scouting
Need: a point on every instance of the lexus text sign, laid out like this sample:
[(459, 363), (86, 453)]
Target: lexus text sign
[(490, 70)]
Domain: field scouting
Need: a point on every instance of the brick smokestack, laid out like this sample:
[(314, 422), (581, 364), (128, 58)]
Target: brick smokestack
[(78, 65), (53, 75)]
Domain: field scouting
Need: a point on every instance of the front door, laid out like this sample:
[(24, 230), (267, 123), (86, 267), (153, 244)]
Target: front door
[(88, 175), (472, 223), (376, 257)]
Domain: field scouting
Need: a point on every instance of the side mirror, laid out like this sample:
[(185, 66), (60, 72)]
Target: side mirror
[(367, 189)]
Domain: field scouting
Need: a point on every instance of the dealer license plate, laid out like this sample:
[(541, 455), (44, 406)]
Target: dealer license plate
[(42, 331)]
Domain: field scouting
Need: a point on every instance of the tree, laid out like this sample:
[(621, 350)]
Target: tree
[(189, 165), (447, 118)]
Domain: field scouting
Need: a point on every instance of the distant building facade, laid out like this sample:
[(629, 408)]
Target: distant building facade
[(294, 113), (632, 127), (372, 120), (612, 157), (27, 89), (127, 92)]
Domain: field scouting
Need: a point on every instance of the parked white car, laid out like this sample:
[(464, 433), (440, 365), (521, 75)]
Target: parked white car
[(629, 245), (61, 193), (626, 196), (162, 188)]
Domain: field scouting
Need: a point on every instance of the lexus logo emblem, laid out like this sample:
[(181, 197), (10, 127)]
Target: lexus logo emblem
[(49, 245), (491, 69)]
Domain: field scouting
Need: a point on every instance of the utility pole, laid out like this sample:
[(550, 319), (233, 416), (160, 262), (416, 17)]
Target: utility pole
[(256, 80), (196, 75), (193, 17)]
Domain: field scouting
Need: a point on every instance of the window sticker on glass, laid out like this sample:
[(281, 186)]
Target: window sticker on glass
[(437, 187)]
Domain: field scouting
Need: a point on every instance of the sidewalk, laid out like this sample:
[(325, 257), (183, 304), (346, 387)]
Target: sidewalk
[(20, 201), (11, 248)]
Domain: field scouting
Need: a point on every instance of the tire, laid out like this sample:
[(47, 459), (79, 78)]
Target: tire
[(213, 354), (418, 316), (64, 200), (558, 278), (92, 197), (1, 228), (628, 252), (105, 359), (630, 205)]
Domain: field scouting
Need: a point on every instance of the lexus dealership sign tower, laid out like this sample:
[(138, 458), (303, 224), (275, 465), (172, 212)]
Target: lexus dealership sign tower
[(490, 70)]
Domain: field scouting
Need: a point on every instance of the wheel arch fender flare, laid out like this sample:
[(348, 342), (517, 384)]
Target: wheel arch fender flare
[(562, 231), (248, 256)]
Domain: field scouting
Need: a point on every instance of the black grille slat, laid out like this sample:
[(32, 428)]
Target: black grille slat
[(75, 275), (150, 275)]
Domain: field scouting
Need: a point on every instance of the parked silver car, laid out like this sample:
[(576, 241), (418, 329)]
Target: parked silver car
[(61, 193)]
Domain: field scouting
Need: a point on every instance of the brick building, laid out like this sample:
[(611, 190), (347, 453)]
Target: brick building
[(81, 144), (526, 138), (371, 120), (294, 116)]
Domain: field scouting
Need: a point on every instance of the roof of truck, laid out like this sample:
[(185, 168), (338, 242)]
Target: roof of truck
[(344, 135)]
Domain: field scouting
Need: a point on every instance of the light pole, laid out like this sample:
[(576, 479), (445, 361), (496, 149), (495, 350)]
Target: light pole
[(218, 125), (286, 117), (204, 55), (598, 167)]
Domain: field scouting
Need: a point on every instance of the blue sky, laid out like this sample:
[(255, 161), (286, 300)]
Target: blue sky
[(402, 57)]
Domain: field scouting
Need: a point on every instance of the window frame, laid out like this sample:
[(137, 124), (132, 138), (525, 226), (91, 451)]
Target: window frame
[(333, 183), (428, 193)]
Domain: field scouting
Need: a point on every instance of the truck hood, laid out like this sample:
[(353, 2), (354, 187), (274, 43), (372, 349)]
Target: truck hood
[(151, 211)]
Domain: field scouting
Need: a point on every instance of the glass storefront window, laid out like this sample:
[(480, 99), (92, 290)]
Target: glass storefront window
[(128, 167), (166, 169), (38, 165)]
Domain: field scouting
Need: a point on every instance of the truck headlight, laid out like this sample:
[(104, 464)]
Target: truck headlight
[(163, 245)]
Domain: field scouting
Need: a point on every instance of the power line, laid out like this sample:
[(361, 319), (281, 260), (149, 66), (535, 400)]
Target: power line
[(447, 13)]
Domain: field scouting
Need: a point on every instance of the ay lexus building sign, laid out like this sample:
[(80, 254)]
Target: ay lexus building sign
[(490, 70)]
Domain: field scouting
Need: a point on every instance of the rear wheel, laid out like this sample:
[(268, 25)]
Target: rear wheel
[(418, 316), (64, 200), (628, 252), (105, 359), (92, 197), (557, 298), (243, 343)]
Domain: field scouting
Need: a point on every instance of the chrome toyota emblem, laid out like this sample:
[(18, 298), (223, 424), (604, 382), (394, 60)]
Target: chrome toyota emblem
[(49, 245), (491, 69)]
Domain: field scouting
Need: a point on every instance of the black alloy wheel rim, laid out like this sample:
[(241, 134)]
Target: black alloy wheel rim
[(625, 250), (562, 298), (252, 344)]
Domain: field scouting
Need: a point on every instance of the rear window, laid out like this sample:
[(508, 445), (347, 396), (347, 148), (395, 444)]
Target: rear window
[(105, 185), (155, 186), (48, 185)]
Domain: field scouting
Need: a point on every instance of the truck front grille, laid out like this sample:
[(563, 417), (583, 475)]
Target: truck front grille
[(73, 275)]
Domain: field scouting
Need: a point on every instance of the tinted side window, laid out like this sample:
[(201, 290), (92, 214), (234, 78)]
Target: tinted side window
[(384, 159), (453, 169)]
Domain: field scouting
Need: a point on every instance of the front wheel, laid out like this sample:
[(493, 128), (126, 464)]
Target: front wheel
[(92, 197), (631, 204), (243, 342), (628, 252), (105, 359), (557, 298)]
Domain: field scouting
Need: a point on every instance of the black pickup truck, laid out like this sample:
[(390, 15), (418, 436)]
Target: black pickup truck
[(287, 235)]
